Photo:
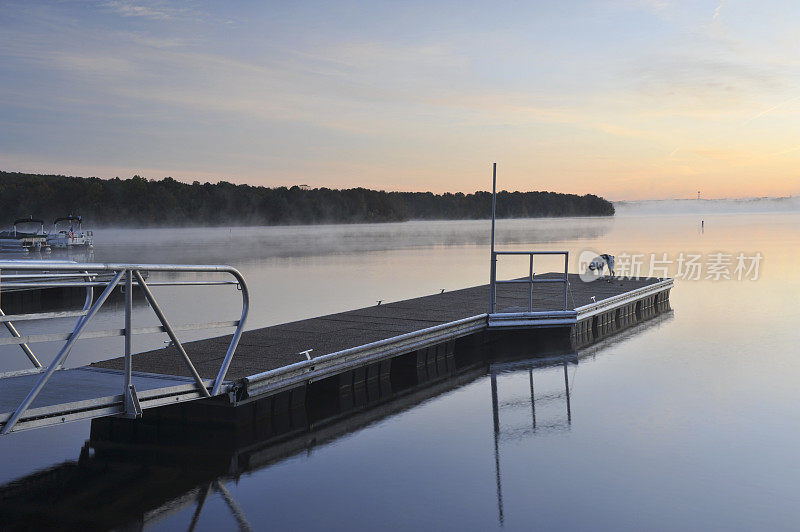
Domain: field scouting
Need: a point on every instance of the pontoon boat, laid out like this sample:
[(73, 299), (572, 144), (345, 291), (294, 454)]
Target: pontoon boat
[(20, 239), (68, 233)]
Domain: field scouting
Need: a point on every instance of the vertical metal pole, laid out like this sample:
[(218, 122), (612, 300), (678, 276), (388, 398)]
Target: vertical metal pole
[(226, 362), (533, 401), (566, 389), (128, 338), (530, 284), (566, 277), (495, 406), (493, 265), (496, 419)]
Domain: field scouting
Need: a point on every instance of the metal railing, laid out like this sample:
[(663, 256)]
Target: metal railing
[(530, 280), (61, 274), (21, 282)]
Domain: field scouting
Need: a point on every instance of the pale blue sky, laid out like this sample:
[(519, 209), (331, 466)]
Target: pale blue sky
[(627, 99)]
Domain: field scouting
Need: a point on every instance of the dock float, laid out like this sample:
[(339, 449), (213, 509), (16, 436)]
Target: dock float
[(293, 355)]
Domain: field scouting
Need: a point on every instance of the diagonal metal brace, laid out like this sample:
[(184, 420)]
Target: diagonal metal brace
[(163, 319), (62, 355), (201, 500), (25, 348), (235, 509)]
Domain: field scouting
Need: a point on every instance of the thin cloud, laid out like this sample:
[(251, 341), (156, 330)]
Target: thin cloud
[(773, 108), (717, 10), (137, 9), (702, 83), (152, 10)]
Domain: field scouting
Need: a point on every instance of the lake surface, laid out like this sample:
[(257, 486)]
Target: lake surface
[(687, 422)]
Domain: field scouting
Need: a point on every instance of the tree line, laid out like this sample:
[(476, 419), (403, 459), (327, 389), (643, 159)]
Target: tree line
[(148, 202)]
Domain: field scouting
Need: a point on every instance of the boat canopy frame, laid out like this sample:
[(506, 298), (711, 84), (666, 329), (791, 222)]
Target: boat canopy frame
[(69, 218), (28, 220)]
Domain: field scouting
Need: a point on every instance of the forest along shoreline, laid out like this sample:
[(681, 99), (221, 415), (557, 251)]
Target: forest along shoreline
[(140, 202)]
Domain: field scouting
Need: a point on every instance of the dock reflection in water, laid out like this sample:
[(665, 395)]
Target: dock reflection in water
[(519, 432), (134, 474)]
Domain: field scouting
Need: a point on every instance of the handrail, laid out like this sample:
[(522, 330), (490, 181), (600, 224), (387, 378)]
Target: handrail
[(7, 320), (34, 265), (529, 280), (129, 276), (81, 284)]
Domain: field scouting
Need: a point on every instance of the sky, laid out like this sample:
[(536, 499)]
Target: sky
[(627, 99)]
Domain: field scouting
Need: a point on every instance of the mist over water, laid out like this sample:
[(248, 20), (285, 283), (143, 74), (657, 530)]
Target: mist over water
[(221, 244), (704, 206)]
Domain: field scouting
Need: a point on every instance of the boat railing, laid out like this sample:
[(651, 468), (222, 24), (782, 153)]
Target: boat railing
[(530, 279), (60, 274)]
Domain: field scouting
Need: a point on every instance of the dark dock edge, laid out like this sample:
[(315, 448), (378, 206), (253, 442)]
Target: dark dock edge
[(318, 368)]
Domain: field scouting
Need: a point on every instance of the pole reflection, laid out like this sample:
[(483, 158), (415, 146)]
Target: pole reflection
[(513, 369)]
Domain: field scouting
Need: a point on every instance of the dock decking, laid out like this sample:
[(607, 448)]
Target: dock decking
[(396, 327)]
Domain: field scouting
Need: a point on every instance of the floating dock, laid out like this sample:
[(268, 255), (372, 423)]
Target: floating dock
[(271, 359), (354, 346)]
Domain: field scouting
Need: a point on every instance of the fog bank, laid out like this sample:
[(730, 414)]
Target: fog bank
[(708, 206)]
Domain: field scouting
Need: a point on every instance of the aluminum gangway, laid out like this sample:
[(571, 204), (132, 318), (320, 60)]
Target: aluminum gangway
[(49, 394)]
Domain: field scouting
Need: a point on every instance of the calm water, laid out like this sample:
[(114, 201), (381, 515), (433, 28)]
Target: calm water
[(690, 421)]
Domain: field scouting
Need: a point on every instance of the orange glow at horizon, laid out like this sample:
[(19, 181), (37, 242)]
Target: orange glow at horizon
[(633, 100)]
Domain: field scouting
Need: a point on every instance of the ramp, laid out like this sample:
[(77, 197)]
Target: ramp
[(48, 395), (86, 392)]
